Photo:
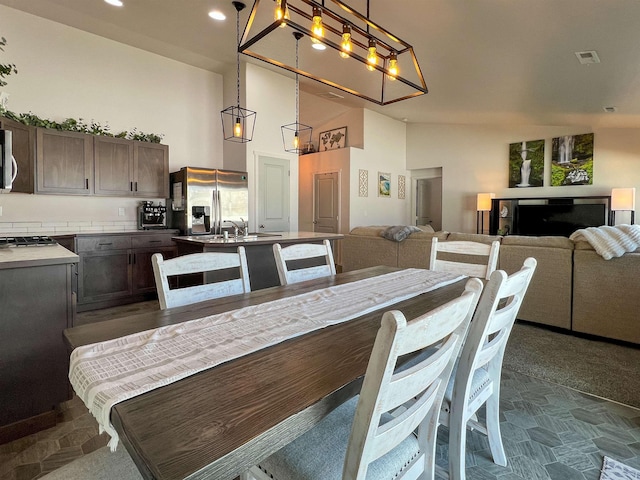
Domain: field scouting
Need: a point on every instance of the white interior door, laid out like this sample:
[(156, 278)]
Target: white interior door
[(325, 202), (273, 194)]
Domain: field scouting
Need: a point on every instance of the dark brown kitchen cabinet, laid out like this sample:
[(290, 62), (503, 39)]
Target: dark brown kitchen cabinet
[(24, 142), (64, 162), (72, 163), (116, 268), (151, 169), (37, 305), (113, 159), (126, 168)]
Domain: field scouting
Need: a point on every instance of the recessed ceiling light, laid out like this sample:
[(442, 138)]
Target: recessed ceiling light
[(610, 109), (115, 3), (217, 15)]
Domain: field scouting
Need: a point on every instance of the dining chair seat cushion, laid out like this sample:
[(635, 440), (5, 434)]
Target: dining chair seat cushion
[(319, 454), (101, 464)]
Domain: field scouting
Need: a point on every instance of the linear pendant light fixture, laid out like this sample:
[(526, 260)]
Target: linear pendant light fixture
[(237, 122), (296, 135), (350, 51)]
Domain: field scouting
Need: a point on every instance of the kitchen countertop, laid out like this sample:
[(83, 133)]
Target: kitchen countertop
[(19, 257), (120, 232), (258, 239)]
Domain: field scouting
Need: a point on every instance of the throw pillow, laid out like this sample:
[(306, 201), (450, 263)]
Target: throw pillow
[(398, 233), (426, 228)]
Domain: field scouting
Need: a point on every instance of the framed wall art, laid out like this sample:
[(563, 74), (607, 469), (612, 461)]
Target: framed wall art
[(332, 139), (526, 164), (572, 160), (384, 184), (363, 183), (401, 186)]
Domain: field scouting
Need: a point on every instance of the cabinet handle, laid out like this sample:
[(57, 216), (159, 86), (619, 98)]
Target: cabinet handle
[(105, 244), (136, 186), (134, 258), (131, 186), (86, 183), (155, 241), (130, 262)]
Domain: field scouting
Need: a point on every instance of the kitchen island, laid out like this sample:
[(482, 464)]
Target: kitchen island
[(36, 295), (263, 272)]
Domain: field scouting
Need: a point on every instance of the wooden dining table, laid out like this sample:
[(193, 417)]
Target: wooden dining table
[(221, 421)]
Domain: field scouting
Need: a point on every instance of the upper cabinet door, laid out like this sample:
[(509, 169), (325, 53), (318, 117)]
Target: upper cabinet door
[(151, 169), (113, 160), (24, 141), (64, 162)]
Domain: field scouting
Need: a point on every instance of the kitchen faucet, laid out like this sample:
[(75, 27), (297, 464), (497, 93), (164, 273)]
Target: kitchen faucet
[(243, 230)]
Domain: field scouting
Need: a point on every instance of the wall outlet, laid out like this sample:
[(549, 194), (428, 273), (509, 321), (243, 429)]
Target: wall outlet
[(121, 211)]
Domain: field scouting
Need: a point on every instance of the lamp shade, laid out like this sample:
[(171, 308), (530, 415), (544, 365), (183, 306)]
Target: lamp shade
[(623, 199), (484, 201)]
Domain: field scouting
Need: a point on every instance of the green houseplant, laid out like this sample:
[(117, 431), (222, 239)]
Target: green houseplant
[(6, 69)]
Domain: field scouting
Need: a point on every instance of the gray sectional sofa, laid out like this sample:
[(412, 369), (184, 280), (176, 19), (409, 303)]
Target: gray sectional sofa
[(573, 287)]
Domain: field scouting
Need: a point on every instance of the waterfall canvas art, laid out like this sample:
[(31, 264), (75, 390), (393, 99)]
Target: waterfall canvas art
[(526, 164), (572, 160)]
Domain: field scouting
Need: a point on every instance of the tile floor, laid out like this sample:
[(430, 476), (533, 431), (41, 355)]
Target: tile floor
[(550, 433)]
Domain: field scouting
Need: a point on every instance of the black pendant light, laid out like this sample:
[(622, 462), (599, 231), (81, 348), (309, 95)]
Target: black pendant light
[(296, 136), (237, 122)]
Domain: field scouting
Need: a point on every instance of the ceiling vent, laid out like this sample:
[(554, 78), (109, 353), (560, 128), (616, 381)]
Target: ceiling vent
[(610, 109), (329, 95), (588, 57)]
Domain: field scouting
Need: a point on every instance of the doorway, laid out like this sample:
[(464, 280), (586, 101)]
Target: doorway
[(326, 202), (273, 194), (429, 202)]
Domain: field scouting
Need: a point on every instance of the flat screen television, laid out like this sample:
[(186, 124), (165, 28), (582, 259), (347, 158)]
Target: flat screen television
[(559, 220)]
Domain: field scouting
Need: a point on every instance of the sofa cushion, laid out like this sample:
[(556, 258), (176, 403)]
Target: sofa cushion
[(472, 237), (426, 228), (370, 231), (552, 242), (398, 233)]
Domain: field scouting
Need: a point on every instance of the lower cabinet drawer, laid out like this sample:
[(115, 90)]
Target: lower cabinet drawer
[(150, 241), (106, 242)]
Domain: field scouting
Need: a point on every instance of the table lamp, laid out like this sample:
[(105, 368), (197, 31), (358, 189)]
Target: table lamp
[(623, 199)]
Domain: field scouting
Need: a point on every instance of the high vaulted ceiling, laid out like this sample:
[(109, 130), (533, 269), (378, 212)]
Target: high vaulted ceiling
[(484, 61)]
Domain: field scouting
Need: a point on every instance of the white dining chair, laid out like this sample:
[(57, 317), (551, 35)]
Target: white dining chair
[(315, 260), (476, 378), (200, 263), (459, 256), (360, 439)]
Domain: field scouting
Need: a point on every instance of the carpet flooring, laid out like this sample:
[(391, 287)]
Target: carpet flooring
[(598, 367)]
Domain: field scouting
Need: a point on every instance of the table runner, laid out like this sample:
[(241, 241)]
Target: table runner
[(103, 374)]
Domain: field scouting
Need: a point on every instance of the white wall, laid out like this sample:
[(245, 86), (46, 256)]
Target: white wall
[(475, 159), (64, 72), (272, 96), (385, 151)]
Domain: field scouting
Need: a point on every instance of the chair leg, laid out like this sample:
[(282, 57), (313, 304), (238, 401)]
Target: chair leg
[(493, 430), (457, 448)]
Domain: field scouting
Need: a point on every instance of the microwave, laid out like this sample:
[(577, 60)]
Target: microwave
[(8, 165)]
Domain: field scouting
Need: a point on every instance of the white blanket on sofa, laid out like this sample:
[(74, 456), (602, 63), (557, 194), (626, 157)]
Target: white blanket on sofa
[(610, 242)]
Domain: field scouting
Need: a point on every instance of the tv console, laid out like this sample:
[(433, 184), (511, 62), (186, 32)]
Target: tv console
[(541, 216)]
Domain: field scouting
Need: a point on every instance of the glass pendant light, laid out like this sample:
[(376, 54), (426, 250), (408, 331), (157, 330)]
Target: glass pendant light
[(346, 46), (237, 122), (372, 56), (393, 66), (317, 29), (281, 14), (296, 136)]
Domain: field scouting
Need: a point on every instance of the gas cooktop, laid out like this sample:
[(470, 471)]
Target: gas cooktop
[(29, 241)]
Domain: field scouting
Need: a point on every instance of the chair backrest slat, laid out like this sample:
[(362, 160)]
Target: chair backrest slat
[(199, 263), (461, 249), (303, 251)]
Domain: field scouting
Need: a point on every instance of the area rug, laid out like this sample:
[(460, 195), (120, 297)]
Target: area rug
[(614, 470)]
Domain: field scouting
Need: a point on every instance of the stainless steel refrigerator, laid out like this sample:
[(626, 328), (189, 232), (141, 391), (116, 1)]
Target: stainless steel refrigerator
[(207, 201)]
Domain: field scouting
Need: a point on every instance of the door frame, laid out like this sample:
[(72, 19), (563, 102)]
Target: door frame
[(422, 174)]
